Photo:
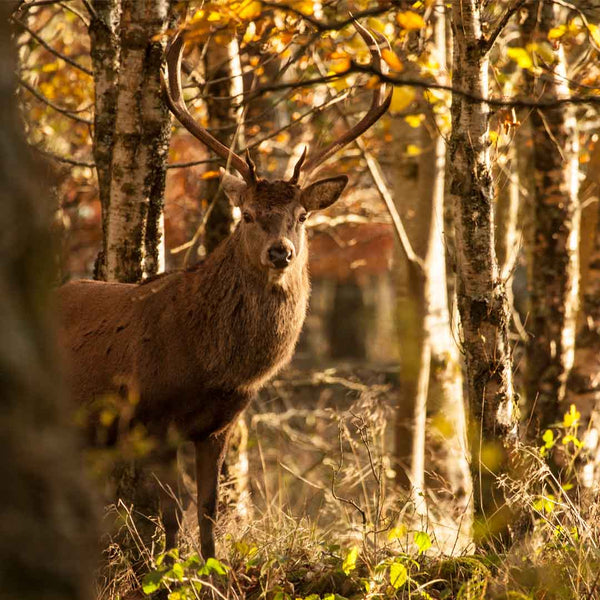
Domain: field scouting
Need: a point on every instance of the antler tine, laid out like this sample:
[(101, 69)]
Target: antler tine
[(251, 165), (375, 112), (176, 103), (297, 167)]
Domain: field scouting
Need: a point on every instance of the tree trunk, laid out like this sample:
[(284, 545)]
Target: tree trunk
[(584, 382), (48, 541), (141, 139), (553, 234), (223, 69), (104, 51), (482, 301)]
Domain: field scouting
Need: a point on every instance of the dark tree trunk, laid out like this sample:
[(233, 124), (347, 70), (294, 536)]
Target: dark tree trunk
[(553, 233), (219, 68), (47, 546)]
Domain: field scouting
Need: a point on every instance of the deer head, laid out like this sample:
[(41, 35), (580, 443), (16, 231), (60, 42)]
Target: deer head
[(273, 212)]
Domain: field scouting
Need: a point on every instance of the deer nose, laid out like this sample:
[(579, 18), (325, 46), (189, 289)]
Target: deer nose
[(280, 256)]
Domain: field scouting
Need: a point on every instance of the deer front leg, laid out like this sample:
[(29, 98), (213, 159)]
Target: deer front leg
[(210, 453)]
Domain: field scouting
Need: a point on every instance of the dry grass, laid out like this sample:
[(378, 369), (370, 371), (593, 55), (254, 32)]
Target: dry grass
[(326, 521)]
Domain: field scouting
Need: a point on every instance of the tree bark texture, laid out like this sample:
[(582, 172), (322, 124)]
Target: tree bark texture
[(553, 234), (431, 423), (48, 541), (104, 51), (481, 295), (141, 141)]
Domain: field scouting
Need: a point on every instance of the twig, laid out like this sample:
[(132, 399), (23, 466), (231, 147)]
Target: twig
[(64, 111), (50, 49), (427, 85), (335, 474), (64, 159), (486, 44)]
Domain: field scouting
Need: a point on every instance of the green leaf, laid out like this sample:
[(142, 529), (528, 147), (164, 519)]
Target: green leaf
[(178, 571), (398, 574), (423, 541), (349, 563), (151, 582), (215, 566)]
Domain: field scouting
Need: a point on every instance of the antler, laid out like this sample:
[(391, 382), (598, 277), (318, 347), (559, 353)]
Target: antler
[(177, 105), (375, 112)]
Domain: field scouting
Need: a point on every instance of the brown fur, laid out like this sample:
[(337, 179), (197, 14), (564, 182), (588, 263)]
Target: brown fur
[(198, 344)]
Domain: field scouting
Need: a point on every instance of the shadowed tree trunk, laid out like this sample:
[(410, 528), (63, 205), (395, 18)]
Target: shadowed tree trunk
[(222, 67), (482, 301), (553, 234), (48, 541), (140, 147)]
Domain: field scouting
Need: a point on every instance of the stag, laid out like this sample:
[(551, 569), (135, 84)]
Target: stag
[(196, 345)]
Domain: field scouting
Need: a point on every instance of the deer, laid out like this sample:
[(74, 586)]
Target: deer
[(197, 345)]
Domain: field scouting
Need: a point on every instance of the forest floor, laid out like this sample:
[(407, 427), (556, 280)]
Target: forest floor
[(311, 511)]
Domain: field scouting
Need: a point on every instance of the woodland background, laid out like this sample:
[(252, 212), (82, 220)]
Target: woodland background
[(437, 434)]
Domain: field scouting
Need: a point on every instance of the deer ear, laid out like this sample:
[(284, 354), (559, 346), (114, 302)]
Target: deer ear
[(323, 193), (234, 187)]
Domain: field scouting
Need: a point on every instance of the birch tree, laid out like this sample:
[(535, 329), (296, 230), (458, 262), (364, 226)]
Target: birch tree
[(482, 300), (132, 206)]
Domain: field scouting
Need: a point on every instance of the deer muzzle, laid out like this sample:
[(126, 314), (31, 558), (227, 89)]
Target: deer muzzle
[(281, 254)]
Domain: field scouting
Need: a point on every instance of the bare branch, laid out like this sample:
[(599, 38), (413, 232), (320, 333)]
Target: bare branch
[(64, 111), (422, 84), (63, 159), (486, 44), (50, 49)]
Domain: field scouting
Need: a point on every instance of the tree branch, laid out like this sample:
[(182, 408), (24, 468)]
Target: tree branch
[(50, 49), (64, 111), (422, 84), (486, 44)]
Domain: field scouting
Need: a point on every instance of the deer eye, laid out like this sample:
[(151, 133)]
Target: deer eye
[(302, 218), (247, 217)]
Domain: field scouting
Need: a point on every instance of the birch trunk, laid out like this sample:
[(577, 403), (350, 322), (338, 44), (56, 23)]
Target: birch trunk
[(431, 423), (141, 139), (104, 51), (482, 301), (553, 235)]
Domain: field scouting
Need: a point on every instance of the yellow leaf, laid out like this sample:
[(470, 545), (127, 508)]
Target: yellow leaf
[(249, 10), (413, 150), (557, 32), (402, 97), (210, 175), (376, 24), (521, 57), (414, 120), (304, 6), (410, 20), (391, 58), (349, 563), (340, 65), (572, 417), (594, 33)]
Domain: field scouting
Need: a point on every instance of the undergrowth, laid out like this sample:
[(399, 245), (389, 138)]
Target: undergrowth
[(360, 538)]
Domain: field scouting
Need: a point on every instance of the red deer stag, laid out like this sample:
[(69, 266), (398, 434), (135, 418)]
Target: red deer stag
[(196, 345)]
